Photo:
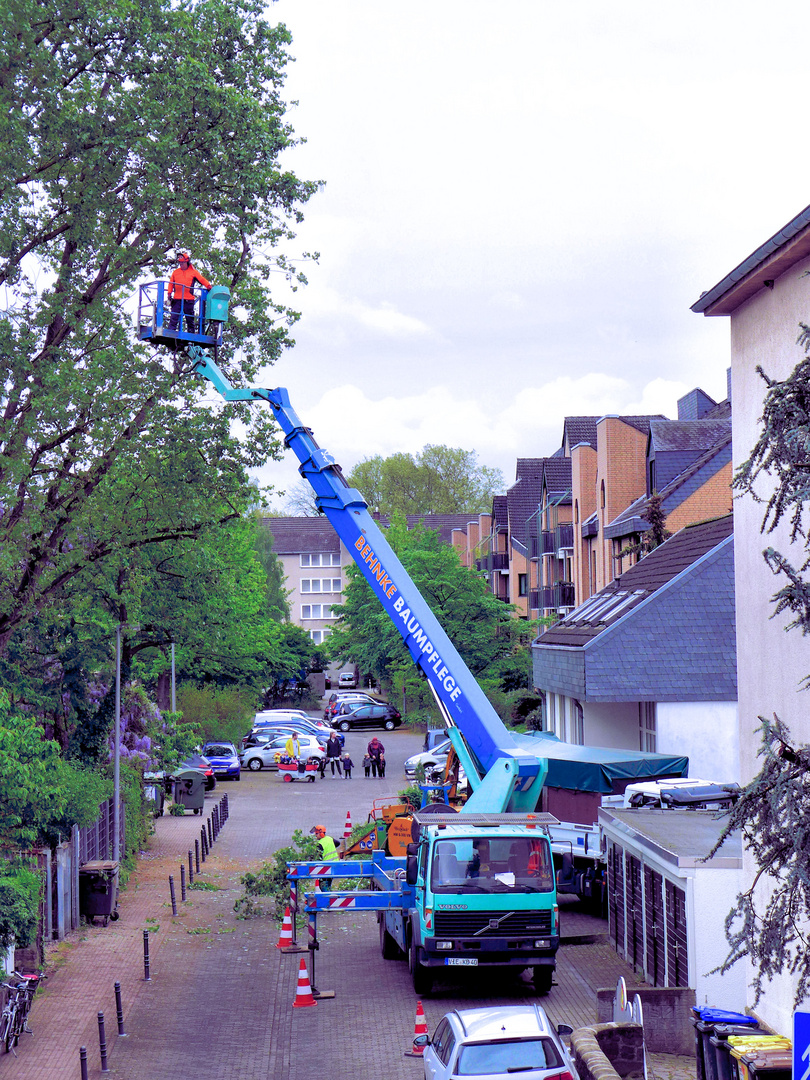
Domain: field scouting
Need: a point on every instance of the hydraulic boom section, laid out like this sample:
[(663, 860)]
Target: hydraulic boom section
[(503, 775)]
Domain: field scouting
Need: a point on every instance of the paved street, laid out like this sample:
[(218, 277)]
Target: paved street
[(220, 1000)]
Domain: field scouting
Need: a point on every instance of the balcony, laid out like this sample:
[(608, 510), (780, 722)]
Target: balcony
[(554, 597), (564, 537), (548, 542), (496, 560)]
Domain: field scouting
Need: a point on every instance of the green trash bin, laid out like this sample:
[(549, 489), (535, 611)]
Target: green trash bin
[(216, 303), (98, 890), (154, 792), (188, 789)]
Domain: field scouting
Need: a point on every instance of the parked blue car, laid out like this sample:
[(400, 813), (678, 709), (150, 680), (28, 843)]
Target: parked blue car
[(224, 760)]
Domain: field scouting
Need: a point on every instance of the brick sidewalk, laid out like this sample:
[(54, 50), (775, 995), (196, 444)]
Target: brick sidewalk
[(220, 1003)]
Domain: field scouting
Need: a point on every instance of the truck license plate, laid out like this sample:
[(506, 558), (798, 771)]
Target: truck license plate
[(459, 961)]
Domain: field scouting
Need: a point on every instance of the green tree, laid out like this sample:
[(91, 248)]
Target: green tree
[(480, 626), (131, 130), (439, 480)]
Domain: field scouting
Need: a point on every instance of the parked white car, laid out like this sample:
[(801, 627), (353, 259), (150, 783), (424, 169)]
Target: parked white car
[(494, 1043), (431, 759), (266, 756)]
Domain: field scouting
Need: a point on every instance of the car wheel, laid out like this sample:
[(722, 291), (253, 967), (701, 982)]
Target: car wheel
[(254, 764), (422, 977), (287, 778), (542, 978), (345, 726), (238, 776), (389, 725)]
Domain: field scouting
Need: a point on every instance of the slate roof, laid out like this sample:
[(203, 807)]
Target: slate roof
[(662, 631), (443, 524), (522, 499), (580, 429), (669, 435), (557, 475), (293, 535), (500, 514), (526, 467)]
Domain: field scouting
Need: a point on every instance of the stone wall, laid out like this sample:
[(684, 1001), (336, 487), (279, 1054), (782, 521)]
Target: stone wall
[(667, 1029), (608, 1051)]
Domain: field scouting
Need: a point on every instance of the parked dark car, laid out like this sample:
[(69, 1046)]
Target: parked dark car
[(385, 716), (197, 761)]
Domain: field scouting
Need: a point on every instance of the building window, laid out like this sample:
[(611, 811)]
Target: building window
[(318, 637), (321, 585), (523, 585), (577, 723), (647, 739), (316, 611), (324, 558), (602, 495)]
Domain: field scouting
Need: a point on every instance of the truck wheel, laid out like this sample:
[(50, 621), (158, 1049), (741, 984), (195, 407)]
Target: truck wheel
[(422, 977), (542, 979), (388, 947)]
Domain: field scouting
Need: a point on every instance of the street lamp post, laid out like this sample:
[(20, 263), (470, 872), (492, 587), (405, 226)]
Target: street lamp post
[(117, 742)]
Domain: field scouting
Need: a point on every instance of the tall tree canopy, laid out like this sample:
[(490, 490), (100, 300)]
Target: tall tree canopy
[(131, 130), (439, 480)]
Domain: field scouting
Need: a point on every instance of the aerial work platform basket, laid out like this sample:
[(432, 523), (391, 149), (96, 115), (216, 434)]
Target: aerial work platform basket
[(210, 315)]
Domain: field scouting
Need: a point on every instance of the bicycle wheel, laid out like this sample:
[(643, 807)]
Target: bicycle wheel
[(9, 1029)]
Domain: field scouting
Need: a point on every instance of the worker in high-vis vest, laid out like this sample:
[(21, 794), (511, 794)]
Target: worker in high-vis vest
[(329, 846), (181, 291)]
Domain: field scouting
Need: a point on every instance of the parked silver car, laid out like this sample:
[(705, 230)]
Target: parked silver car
[(266, 756), (496, 1043)]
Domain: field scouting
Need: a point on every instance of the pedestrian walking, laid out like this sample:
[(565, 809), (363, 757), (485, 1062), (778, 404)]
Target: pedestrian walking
[(367, 765), (333, 752), (292, 747), (381, 765), (375, 751), (348, 765)]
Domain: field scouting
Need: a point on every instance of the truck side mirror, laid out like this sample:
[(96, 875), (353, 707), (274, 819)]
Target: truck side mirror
[(411, 869)]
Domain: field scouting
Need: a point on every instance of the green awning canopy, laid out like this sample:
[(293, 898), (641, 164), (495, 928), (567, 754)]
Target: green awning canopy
[(596, 768)]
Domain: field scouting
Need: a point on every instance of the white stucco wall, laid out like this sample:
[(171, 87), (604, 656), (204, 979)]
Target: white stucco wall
[(613, 724), (705, 732), (712, 896), (770, 663)]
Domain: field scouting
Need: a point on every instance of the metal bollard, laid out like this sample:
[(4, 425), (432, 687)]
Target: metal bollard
[(210, 834), (171, 893), (146, 975), (214, 829), (102, 1042), (197, 854), (182, 883), (217, 825), (203, 844), (227, 802), (190, 869), (83, 1061), (119, 1010)]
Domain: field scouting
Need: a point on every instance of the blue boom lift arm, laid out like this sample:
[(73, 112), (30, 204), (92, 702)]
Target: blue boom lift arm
[(503, 776)]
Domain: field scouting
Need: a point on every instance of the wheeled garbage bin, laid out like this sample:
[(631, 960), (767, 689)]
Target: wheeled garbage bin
[(188, 789), (724, 1066), (770, 1063), (154, 792), (98, 890), (704, 1019)]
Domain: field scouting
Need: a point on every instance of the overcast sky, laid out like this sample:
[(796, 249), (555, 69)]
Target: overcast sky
[(521, 201)]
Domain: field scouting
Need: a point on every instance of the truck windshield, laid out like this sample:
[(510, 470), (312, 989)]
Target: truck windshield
[(497, 864)]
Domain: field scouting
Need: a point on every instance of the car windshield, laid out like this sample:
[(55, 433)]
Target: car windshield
[(497, 865), (221, 750), (511, 1055)]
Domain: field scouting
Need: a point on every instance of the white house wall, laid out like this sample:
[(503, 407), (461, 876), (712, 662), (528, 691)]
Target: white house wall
[(771, 664), (705, 732), (712, 895), (613, 724)]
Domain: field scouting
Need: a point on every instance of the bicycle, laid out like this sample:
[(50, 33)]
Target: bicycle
[(14, 1017)]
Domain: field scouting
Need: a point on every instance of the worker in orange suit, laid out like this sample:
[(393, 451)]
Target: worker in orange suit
[(181, 291)]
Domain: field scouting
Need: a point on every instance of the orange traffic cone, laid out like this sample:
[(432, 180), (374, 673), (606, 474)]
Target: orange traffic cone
[(347, 830), (303, 992), (285, 938), (419, 1028)]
